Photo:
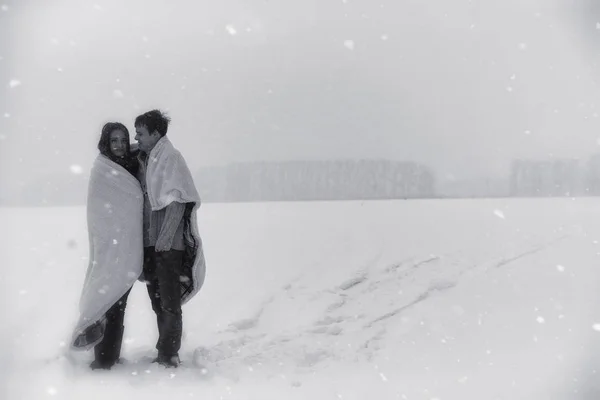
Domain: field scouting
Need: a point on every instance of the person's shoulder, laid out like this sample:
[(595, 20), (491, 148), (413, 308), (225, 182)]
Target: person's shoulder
[(174, 152)]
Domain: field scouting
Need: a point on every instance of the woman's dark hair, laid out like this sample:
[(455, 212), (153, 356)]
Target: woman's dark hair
[(128, 161)]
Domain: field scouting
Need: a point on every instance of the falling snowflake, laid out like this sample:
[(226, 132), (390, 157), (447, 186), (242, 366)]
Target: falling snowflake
[(560, 268), (6, 115), (117, 94), (4, 7), (523, 46), (384, 37), (76, 169), (509, 89), (597, 25), (383, 377), (499, 214), (115, 241), (52, 391), (14, 83), (349, 44), (596, 327), (528, 132), (145, 38), (540, 320), (231, 29), (59, 69)]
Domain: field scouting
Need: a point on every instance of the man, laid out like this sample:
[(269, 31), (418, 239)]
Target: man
[(174, 266)]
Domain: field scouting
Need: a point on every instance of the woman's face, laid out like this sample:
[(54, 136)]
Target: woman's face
[(118, 143)]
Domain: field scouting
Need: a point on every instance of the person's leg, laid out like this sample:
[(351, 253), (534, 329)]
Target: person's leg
[(152, 285), (168, 271), (108, 351)]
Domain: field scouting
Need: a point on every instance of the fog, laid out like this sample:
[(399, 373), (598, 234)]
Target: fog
[(462, 87)]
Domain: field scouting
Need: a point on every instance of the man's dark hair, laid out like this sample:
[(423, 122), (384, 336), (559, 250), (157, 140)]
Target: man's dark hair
[(154, 120), (128, 162)]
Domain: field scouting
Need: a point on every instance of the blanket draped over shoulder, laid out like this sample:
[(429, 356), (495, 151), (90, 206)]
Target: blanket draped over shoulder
[(168, 179), (114, 219)]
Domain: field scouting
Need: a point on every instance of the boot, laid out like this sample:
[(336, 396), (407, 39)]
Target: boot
[(167, 361), (100, 359)]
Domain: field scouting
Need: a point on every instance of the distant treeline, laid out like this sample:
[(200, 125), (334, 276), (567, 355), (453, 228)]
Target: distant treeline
[(556, 177), (325, 180), (343, 180), (268, 181)]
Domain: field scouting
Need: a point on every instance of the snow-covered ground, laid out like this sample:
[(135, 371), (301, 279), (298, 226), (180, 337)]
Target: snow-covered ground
[(440, 299)]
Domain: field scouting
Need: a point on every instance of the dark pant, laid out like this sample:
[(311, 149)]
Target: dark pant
[(162, 271), (108, 351)]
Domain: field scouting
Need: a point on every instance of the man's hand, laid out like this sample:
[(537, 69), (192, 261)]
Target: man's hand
[(162, 244), (173, 217)]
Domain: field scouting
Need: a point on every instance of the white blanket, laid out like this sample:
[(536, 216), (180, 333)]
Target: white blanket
[(169, 179), (114, 218)]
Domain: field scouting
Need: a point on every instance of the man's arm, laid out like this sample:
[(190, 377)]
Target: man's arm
[(173, 217)]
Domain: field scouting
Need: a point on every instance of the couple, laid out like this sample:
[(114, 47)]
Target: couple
[(142, 225)]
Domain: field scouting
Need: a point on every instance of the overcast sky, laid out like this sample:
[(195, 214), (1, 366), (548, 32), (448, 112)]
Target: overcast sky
[(461, 85)]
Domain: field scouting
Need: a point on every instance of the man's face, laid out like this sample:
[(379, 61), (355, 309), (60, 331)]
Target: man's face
[(145, 139), (118, 143)]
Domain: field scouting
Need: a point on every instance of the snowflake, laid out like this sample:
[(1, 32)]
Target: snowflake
[(499, 214), (14, 83), (231, 29)]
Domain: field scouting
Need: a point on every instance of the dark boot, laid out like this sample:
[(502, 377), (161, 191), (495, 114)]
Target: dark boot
[(167, 361), (171, 331), (100, 362), (108, 351)]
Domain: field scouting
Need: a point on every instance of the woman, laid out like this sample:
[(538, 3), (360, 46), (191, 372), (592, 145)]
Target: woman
[(114, 217)]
